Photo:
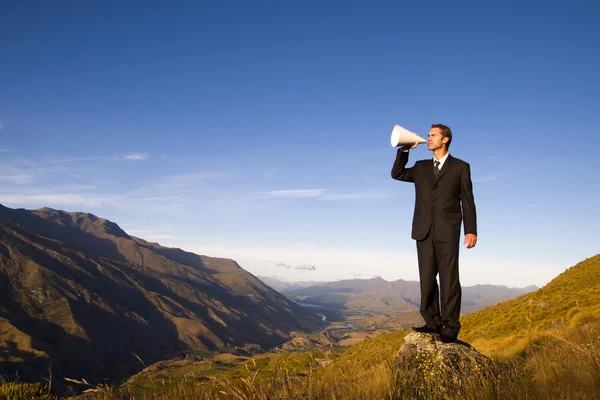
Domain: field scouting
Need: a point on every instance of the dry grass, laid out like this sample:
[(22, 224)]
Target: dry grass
[(506, 329), (563, 365), (547, 346), (25, 391)]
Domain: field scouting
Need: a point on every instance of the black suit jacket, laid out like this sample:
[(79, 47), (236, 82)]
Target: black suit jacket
[(439, 205)]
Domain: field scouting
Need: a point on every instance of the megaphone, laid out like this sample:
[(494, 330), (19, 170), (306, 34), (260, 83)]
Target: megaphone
[(401, 137)]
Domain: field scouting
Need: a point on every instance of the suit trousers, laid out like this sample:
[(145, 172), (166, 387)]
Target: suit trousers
[(440, 258)]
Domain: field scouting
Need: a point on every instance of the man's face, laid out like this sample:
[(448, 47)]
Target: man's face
[(435, 140)]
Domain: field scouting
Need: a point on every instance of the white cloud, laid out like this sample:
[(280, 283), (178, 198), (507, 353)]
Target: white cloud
[(197, 176), (36, 186), (158, 237), (354, 196), (61, 199), (296, 194), (20, 179), (343, 263), (334, 263), (306, 267), (135, 156), (487, 178), (52, 160), (322, 194)]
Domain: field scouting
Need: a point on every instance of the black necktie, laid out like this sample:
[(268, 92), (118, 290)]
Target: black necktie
[(436, 169)]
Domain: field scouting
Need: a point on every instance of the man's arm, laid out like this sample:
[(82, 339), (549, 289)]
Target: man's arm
[(468, 207), (399, 171)]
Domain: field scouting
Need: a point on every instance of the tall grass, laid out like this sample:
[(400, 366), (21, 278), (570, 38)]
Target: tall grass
[(565, 364), (547, 344), (25, 391)]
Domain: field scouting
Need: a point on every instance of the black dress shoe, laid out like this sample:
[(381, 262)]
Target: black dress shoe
[(447, 338), (425, 329)]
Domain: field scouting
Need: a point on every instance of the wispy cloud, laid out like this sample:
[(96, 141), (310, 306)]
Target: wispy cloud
[(158, 237), (51, 199), (269, 173), (197, 176), (295, 194), (322, 194), (36, 186), (135, 156), (487, 178), (306, 267), (3, 150), (282, 264), (54, 160), (50, 159), (354, 196), (155, 232), (20, 179)]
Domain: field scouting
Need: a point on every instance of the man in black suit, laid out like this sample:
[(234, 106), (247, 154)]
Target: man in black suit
[(442, 187)]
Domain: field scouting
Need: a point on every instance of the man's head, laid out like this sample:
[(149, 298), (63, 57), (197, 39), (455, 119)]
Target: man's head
[(439, 135)]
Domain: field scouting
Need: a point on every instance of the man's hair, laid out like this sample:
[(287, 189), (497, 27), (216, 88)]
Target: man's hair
[(446, 132)]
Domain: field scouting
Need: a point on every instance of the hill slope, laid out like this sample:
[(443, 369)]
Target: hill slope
[(79, 293), (563, 364), (507, 327)]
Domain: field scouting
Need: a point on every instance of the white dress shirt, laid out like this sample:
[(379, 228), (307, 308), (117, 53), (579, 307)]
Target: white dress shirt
[(441, 160)]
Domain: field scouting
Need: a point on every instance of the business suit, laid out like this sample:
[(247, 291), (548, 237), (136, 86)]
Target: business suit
[(440, 206)]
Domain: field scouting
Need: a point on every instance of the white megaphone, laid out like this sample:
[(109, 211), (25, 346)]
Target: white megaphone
[(401, 137)]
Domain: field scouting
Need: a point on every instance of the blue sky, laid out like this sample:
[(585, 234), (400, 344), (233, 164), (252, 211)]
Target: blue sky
[(259, 130)]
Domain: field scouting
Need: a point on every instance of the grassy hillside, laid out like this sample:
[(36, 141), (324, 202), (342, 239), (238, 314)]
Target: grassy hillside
[(365, 371), (548, 342), (571, 300)]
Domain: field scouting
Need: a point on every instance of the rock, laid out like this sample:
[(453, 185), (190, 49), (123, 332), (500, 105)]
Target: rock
[(425, 352)]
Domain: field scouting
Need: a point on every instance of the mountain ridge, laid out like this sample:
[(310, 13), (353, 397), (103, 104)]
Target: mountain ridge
[(398, 296), (80, 293)]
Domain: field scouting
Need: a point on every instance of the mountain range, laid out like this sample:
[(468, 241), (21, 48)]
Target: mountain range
[(377, 295), (283, 286), (542, 345), (79, 297)]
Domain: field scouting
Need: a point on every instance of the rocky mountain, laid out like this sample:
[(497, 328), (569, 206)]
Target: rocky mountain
[(81, 298), (380, 296)]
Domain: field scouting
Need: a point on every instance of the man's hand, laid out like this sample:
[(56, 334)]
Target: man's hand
[(407, 147), (470, 240)]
